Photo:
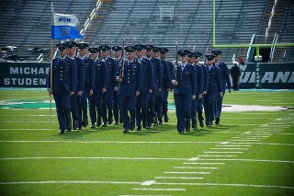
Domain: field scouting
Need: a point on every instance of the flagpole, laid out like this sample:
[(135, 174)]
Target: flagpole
[(51, 66)]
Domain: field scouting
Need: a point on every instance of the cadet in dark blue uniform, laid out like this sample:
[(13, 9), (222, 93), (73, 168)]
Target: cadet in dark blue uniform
[(202, 86), (199, 90), (170, 67), (142, 99), (159, 94), (157, 80), (130, 77), (76, 98), (167, 86), (101, 82), (225, 82), (214, 88), (116, 104), (89, 82), (63, 86), (112, 82), (185, 84)]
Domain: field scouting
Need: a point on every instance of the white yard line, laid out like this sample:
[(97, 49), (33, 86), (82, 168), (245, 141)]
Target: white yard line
[(250, 160), (177, 172), (222, 184), (180, 167), (218, 152), (216, 155), (179, 178), (229, 148), (159, 189)]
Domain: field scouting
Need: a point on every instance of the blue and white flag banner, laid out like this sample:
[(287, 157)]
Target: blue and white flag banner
[(64, 27)]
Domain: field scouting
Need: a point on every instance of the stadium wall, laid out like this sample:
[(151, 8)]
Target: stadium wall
[(272, 76)]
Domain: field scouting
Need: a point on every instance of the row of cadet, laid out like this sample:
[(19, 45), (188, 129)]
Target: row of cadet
[(132, 87)]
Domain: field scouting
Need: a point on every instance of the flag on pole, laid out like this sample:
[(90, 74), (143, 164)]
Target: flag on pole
[(64, 27)]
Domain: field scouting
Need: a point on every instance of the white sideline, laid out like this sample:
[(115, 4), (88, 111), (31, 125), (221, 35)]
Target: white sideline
[(95, 158), (70, 182)]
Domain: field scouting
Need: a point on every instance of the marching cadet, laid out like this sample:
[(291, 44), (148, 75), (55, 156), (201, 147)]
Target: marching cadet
[(116, 105), (199, 91), (89, 82), (157, 80), (101, 82), (167, 86), (142, 99), (225, 82), (62, 84), (112, 83), (76, 98), (202, 86), (159, 93), (185, 83), (130, 79), (214, 88)]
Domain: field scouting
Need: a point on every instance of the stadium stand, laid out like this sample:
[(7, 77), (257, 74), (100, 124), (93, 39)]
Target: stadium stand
[(26, 23)]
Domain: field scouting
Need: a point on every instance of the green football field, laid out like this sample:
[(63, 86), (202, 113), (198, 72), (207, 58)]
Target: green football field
[(250, 153)]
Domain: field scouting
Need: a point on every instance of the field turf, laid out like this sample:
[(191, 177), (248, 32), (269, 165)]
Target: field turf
[(250, 153)]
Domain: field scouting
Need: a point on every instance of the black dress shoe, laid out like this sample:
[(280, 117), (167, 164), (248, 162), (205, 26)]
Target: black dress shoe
[(139, 129), (217, 119), (110, 120), (166, 118), (85, 122), (181, 131), (92, 126), (68, 128), (201, 123), (126, 131), (160, 121), (132, 127), (61, 132), (104, 124), (98, 122)]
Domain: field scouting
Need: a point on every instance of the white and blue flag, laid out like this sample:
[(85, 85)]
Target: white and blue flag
[(64, 27)]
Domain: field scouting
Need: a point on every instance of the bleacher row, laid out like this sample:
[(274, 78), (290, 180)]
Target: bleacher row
[(26, 23)]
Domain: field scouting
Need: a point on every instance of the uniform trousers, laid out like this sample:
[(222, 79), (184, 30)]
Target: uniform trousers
[(151, 106), (74, 102), (200, 109), (159, 104), (62, 102), (141, 110), (108, 103), (219, 104), (116, 106), (194, 105), (95, 105), (209, 106), (183, 111), (128, 106), (165, 102), (83, 106)]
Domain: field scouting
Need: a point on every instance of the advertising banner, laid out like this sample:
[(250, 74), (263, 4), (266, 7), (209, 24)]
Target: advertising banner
[(266, 75), (24, 74)]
